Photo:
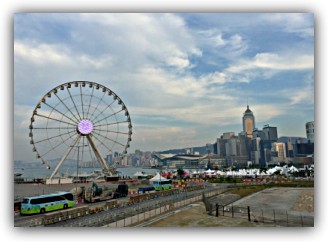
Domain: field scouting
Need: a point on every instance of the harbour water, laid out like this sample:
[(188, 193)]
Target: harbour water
[(42, 172)]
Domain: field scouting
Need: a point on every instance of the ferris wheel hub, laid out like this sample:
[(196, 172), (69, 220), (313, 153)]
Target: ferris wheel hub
[(85, 127)]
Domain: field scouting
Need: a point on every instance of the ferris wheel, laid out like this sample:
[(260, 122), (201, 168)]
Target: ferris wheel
[(80, 119)]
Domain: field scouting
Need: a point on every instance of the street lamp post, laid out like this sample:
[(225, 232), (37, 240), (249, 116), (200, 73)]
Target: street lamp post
[(160, 178), (77, 163)]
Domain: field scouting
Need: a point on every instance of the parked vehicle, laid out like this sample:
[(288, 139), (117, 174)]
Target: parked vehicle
[(46, 203)]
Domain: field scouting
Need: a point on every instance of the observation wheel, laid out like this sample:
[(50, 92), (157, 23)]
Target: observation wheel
[(80, 119)]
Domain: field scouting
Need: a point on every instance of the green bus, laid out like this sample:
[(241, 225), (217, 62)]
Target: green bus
[(46, 203), (162, 185)]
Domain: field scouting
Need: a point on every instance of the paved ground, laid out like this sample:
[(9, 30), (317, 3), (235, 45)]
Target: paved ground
[(293, 200), (28, 190)]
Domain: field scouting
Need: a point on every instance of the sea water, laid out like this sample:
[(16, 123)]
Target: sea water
[(42, 172)]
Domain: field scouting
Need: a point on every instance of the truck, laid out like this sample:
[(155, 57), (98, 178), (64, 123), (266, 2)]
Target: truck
[(97, 194)]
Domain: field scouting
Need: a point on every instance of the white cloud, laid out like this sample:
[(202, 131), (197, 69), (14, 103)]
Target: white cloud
[(274, 62), (178, 61), (215, 77), (161, 38), (22, 115), (165, 86), (57, 55), (229, 46), (298, 23), (266, 112), (218, 40), (42, 53), (302, 94), (238, 44)]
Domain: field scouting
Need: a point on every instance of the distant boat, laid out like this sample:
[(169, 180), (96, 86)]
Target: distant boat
[(17, 174)]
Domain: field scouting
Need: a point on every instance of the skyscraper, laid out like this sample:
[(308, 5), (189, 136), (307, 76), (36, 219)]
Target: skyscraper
[(309, 126), (248, 122), (270, 133)]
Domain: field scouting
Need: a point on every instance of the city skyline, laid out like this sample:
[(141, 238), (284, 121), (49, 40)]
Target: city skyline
[(185, 78)]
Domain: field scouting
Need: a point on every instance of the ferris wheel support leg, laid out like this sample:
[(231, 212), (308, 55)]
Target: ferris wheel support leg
[(65, 156), (97, 153)]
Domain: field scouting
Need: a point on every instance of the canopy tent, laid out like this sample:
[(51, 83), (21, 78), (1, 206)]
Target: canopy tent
[(293, 169), (209, 171), (158, 177), (221, 173), (140, 175)]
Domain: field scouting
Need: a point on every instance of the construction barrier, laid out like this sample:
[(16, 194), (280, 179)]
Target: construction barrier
[(62, 215)]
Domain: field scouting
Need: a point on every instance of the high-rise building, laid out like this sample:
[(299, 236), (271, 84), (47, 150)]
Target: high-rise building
[(256, 151), (221, 143), (270, 133), (248, 122), (258, 134), (278, 152), (209, 148), (309, 126), (220, 147), (228, 135)]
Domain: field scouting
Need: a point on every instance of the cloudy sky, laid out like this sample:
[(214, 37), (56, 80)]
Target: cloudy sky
[(185, 78)]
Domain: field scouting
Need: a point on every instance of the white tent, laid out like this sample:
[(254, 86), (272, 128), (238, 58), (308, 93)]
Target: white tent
[(209, 171), (139, 173), (293, 169), (221, 173), (158, 177)]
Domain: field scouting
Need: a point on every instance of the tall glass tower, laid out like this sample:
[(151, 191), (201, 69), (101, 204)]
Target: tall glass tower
[(248, 122)]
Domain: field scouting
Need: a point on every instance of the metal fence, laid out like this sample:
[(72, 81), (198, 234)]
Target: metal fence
[(133, 214), (274, 217)]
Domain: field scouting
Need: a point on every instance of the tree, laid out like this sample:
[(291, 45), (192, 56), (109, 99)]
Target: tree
[(180, 173)]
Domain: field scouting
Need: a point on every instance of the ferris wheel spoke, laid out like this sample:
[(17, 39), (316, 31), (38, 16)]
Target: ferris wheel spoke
[(109, 116), (105, 137), (65, 156), (59, 144), (98, 104), (121, 122), (66, 107), (77, 111), (60, 113), (81, 101), (61, 121), (110, 131), (107, 106), (93, 88), (53, 137), (55, 128), (109, 124), (97, 153)]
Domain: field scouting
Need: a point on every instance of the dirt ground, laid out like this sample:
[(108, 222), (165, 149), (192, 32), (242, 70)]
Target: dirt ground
[(305, 201), (300, 200), (197, 217)]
